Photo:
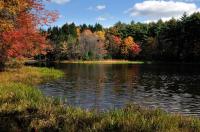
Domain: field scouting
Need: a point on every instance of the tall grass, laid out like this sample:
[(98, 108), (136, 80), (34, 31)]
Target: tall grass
[(29, 75), (24, 108)]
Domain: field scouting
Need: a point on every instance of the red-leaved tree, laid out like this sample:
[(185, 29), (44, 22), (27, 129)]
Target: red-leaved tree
[(24, 38)]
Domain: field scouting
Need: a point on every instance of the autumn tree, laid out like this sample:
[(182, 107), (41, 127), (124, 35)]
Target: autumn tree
[(101, 49), (92, 47), (8, 11), (113, 45), (173, 40), (101, 35), (129, 47), (122, 48), (19, 34)]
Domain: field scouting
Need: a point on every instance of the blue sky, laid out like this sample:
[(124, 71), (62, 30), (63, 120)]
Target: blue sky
[(108, 12)]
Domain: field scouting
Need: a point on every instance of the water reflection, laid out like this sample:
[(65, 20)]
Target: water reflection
[(175, 88)]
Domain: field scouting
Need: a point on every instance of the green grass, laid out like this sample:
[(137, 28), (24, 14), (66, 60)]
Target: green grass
[(24, 108)]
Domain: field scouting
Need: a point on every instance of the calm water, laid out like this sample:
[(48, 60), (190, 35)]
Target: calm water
[(172, 87)]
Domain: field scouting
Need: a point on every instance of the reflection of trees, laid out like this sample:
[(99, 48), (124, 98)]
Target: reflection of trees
[(95, 82), (88, 81), (125, 77), (104, 85)]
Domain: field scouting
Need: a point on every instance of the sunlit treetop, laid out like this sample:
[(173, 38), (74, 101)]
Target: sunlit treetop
[(129, 41), (101, 35)]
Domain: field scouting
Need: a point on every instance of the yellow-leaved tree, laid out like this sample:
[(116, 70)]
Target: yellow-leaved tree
[(101, 35)]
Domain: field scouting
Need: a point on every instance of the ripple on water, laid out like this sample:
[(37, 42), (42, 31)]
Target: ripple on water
[(174, 88)]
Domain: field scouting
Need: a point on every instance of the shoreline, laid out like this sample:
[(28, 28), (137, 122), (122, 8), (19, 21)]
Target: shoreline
[(31, 62), (101, 62)]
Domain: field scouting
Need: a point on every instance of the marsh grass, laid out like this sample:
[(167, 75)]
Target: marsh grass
[(24, 108), (29, 75), (104, 62)]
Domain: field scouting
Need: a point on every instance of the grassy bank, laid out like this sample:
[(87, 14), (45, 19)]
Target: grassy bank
[(29, 75), (104, 62), (20, 99), (24, 108)]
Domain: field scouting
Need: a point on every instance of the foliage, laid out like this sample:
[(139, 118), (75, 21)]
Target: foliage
[(92, 46), (19, 34), (72, 42), (130, 45), (173, 40), (101, 35), (122, 49)]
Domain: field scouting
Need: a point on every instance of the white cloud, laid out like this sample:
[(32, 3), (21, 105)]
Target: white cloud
[(105, 17), (188, 0), (154, 9), (60, 1), (97, 7), (101, 18), (100, 7)]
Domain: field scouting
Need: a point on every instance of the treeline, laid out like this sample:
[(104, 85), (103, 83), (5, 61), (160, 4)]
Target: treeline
[(173, 40)]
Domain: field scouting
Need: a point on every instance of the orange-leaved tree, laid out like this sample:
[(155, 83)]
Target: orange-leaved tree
[(129, 47), (19, 24)]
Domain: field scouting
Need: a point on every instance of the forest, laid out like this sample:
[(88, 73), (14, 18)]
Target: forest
[(173, 40)]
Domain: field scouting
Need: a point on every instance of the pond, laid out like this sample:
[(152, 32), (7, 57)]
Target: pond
[(172, 87)]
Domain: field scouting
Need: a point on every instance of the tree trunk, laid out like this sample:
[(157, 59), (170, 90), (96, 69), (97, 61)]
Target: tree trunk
[(2, 66), (3, 55), (3, 58)]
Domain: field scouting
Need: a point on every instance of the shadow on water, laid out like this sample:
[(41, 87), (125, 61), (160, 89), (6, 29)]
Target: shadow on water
[(172, 87)]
